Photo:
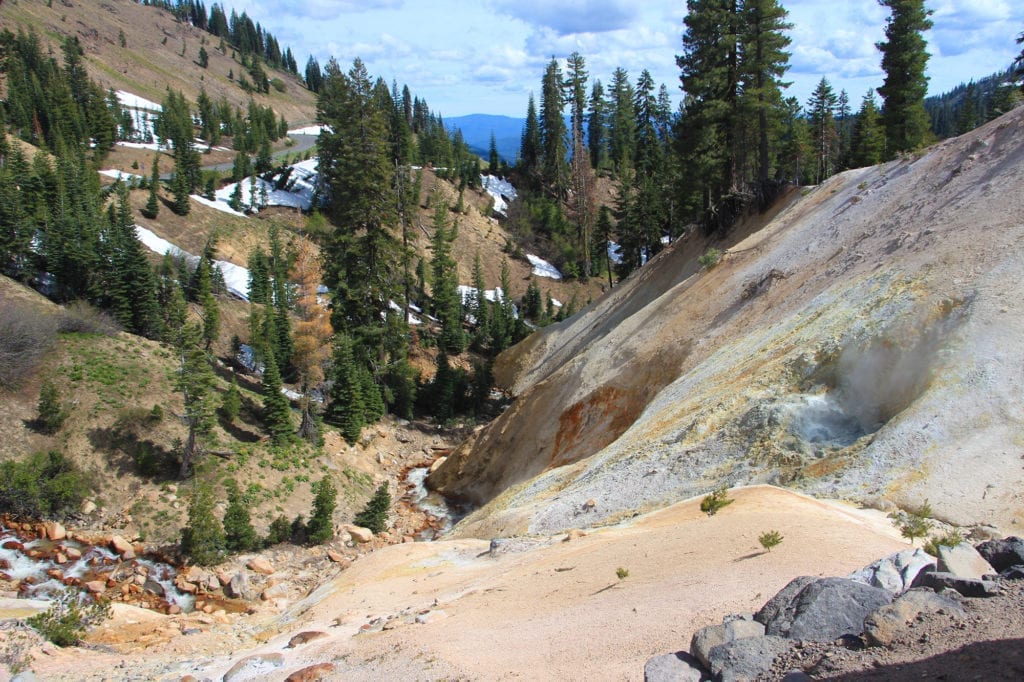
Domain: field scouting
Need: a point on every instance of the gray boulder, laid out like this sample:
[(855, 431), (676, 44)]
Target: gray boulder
[(883, 626), (963, 561), (743, 660), (895, 572), (677, 667), (1013, 572), (1003, 554), (968, 587), (705, 639), (821, 609), (239, 587)]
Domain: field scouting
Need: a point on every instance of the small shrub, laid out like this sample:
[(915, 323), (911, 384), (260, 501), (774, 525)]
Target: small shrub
[(81, 318), (375, 515), (156, 415), (278, 84), (715, 501), (25, 337), (51, 413), (710, 259), (321, 523), (46, 484), (622, 573), (949, 539), (769, 539), (68, 618), (202, 540), (913, 525), (280, 530)]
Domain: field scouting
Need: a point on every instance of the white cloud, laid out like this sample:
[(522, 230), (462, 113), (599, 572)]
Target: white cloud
[(571, 16)]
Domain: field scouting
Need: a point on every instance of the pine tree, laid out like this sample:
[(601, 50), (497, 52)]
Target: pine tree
[(821, 112), (311, 337), (346, 407), (622, 122), (904, 58), (478, 308), (530, 147), (231, 403), (239, 535), (51, 413), (492, 156), (868, 142), (153, 202), (968, 120), (195, 380), (597, 127), (276, 411), (320, 528), (202, 539), (204, 294), (375, 515), (447, 303)]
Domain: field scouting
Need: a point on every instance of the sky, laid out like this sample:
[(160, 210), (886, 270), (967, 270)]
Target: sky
[(487, 56)]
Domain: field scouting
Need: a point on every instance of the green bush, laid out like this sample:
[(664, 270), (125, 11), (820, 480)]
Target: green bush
[(622, 573), (202, 540), (949, 539), (68, 618), (715, 501), (711, 258), (375, 515), (280, 530), (51, 413), (46, 484), (915, 524), (239, 534), (769, 539)]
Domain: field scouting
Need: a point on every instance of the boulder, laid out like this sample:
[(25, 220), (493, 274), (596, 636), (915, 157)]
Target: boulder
[(154, 587), (677, 667), (1013, 572), (260, 665), (705, 639), (358, 533), (72, 553), (311, 673), (1002, 554), (304, 637), (746, 659), (964, 561), (895, 572), (886, 623), (88, 507), (821, 609), (260, 565), (278, 591), (54, 530), (96, 586), (968, 587), (238, 587), (122, 547), (436, 464)]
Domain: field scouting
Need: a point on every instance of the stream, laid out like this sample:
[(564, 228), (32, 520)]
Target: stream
[(442, 514), (43, 568)]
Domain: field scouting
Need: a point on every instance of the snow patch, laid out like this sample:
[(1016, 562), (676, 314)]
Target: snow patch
[(152, 146), (542, 268), (310, 130), (501, 190), (120, 175), (132, 101), (219, 205), (236, 278)]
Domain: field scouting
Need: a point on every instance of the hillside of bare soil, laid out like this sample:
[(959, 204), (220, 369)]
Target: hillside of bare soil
[(860, 342)]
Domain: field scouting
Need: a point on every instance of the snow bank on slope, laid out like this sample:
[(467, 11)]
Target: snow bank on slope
[(132, 101), (297, 192), (501, 190), (119, 175), (542, 268), (236, 278)]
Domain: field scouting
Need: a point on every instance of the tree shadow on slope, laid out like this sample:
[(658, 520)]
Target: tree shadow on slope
[(132, 454), (992, 660)]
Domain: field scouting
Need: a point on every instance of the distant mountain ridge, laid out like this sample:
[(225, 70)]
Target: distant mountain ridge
[(477, 128)]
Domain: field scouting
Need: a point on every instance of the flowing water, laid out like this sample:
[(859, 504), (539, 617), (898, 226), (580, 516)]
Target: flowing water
[(43, 568), (441, 513)]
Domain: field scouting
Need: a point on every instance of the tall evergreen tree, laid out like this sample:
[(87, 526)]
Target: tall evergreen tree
[(239, 535), (320, 528), (821, 112), (621, 122), (597, 139), (552, 130), (346, 407), (447, 303), (904, 58), (153, 202), (530, 148), (195, 380), (276, 411), (868, 143), (202, 538)]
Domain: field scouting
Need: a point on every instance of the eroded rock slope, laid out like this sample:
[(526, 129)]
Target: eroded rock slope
[(862, 341)]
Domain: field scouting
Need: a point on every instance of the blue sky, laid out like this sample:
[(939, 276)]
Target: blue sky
[(486, 56)]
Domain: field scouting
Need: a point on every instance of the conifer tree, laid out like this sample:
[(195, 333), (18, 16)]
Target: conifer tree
[(239, 535), (868, 142), (447, 304), (311, 337), (153, 202), (276, 411), (346, 408), (231, 403), (320, 528), (195, 380), (375, 515), (621, 122), (478, 308), (904, 58), (492, 156), (530, 148), (202, 539), (821, 112), (597, 127), (204, 294)]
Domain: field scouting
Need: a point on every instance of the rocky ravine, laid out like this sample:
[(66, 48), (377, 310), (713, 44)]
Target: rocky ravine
[(862, 341)]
